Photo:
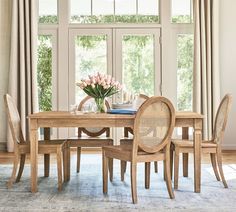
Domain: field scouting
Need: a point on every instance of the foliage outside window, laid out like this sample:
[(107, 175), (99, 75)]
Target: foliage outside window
[(185, 71), (44, 72), (91, 57), (138, 64)]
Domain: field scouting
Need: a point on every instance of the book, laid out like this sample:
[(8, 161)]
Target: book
[(122, 111)]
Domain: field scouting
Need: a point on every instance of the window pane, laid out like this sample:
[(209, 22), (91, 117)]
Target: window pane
[(91, 57), (48, 11), (44, 72), (184, 71), (103, 7), (138, 63), (80, 10), (125, 11), (181, 11), (148, 11), (148, 7), (125, 7)]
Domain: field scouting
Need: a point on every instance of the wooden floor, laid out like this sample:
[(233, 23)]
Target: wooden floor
[(229, 157)]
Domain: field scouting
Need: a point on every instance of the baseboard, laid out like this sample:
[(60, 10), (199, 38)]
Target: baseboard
[(228, 146), (3, 146)]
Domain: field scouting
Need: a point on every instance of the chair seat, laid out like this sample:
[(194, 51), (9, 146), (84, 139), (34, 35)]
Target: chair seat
[(87, 141), (44, 146), (124, 152), (85, 137), (125, 141), (189, 143)]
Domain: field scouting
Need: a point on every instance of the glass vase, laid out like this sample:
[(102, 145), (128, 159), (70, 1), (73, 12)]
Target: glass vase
[(100, 103)]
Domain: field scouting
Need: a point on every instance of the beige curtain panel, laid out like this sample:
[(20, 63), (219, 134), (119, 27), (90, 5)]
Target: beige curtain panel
[(206, 94), (23, 61)]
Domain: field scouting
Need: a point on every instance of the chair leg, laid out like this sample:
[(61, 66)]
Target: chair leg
[(46, 165), (171, 162), (133, 170), (104, 172), (14, 170), (167, 174), (65, 163), (123, 165), (164, 170), (59, 168), (219, 161), (22, 164), (147, 175), (214, 165), (110, 164), (78, 158), (176, 168), (185, 164), (68, 161), (156, 166)]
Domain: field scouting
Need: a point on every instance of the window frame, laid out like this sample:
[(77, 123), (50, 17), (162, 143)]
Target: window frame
[(61, 67)]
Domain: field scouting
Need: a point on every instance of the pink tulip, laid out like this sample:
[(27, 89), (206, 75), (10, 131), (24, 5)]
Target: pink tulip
[(88, 82)]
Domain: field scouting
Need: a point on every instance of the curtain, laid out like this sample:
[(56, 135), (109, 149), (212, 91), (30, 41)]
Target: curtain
[(206, 89), (23, 61)]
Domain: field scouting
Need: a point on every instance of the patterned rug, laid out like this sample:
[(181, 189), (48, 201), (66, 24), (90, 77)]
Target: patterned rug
[(84, 191)]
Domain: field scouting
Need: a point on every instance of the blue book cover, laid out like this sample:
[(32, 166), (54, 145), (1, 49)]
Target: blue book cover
[(122, 111)]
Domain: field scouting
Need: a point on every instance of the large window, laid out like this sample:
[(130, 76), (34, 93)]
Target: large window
[(145, 44)]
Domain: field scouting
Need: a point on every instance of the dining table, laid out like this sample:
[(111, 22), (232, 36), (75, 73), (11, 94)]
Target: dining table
[(65, 119)]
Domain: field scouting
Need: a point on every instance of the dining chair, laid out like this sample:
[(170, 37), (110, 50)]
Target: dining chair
[(212, 147), (153, 127), (91, 137), (129, 132), (22, 147)]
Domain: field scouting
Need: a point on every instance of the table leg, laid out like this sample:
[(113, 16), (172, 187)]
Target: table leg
[(46, 156), (197, 154), (185, 136), (34, 154)]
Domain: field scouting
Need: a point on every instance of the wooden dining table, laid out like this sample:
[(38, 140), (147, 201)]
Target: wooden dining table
[(59, 119)]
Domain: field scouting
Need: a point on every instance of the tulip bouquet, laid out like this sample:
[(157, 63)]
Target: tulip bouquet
[(100, 86)]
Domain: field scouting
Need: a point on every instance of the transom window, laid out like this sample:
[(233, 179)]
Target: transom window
[(114, 11)]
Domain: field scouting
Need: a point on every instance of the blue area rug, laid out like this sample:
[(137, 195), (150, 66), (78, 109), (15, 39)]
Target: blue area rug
[(84, 191)]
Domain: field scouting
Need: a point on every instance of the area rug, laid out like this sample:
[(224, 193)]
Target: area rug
[(84, 191)]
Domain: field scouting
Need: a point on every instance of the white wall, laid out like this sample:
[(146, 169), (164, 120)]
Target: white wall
[(4, 62), (228, 64)]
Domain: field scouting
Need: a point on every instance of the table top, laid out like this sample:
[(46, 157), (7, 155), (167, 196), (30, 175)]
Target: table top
[(82, 115)]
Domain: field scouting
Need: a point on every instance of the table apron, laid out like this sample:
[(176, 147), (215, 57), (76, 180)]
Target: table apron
[(84, 123)]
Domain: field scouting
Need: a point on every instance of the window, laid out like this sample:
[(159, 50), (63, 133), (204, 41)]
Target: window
[(184, 71), (138, 58), (145, 44), (114, 11), (181, 11), (90, 57), (44, 73), (48, 11)]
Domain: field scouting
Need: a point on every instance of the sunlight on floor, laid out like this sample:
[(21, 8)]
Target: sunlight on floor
[(229, 171)]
